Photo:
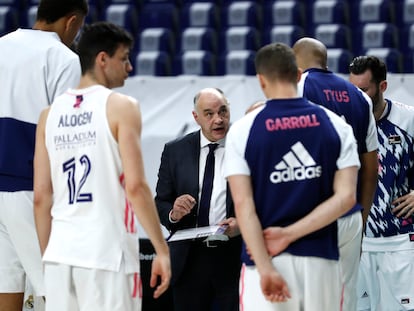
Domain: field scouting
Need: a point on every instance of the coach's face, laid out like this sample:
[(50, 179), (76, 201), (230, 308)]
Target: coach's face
[(212, 113)]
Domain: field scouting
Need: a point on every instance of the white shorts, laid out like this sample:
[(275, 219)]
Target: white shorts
[(385, 279), (71, 288), (32, 302), (314, 284), (20, 252), (349, 240)]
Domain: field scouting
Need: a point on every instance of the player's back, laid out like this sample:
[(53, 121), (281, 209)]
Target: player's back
[(342, 97), (93, 226), (36, 66), (292, 150)]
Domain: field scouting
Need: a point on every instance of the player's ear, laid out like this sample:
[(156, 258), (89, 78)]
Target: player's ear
[(101, 58), (383, 86), (70, 22), (262, 81), (299, 75)]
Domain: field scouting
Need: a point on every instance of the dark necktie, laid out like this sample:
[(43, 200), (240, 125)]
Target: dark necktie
[(205, 198)]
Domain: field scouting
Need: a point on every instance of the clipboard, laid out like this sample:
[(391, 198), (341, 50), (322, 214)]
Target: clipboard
[(215, 232)]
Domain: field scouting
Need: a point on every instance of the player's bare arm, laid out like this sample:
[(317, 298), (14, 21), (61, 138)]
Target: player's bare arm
[(125, 121), (274, 287), (343, 199), (43, 191), (368, 181)]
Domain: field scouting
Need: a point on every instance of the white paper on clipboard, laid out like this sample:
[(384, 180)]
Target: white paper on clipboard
[(200, 232)]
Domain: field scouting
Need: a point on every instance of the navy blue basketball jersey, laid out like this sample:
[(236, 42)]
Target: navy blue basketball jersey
[(346, 100), (291, 149), (342, 97)]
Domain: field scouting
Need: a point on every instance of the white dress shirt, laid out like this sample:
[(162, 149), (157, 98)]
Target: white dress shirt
[(218, 196)]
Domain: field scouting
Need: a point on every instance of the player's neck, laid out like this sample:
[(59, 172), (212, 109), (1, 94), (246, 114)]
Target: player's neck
[(89, 80), (379, 109), (282, 90)]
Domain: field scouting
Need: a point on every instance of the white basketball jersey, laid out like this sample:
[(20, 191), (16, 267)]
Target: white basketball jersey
[(93, 224)]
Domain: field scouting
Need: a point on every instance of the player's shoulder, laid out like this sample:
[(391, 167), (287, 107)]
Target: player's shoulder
[(51, 43), (337, 121), (123, 109), (118, 98), (403, 108), (359, 97), (401, 115)]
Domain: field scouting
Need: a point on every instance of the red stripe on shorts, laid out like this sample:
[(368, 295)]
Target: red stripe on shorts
[(135, 288), (242, 276)]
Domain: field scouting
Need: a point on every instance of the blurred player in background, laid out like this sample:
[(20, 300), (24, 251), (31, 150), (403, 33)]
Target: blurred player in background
[(36, 65), (387, 260)]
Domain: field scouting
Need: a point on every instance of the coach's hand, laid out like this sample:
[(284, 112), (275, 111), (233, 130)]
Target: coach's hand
[(182, 206), (233, 228)]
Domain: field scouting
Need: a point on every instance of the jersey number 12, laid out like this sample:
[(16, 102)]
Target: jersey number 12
[(75, 189)]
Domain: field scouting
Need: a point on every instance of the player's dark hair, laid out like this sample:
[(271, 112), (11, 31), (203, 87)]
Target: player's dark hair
[(100, 37), (52, 10), (378, 68), (277, 61)]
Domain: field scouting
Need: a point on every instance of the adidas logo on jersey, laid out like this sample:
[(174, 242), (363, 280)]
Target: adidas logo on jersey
[(296, 165)]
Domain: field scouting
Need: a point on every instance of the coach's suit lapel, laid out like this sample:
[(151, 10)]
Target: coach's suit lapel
[(192, 170)]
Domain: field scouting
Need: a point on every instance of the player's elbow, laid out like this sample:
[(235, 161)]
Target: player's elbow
[(136, 187), (348, 200), (42, 200)]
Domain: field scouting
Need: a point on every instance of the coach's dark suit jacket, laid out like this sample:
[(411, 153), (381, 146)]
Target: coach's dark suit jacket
[(178, 175)]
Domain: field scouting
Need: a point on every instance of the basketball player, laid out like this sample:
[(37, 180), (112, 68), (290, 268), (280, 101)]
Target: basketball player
[(325, 88), (291, 165), (387, 260), (87, 162), (36, 66)]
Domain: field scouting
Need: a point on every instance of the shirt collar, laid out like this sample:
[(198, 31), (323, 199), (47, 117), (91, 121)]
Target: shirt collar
[(204, 141), (387, 109)]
